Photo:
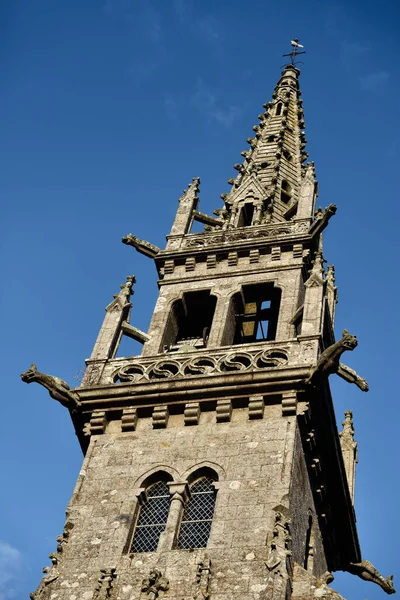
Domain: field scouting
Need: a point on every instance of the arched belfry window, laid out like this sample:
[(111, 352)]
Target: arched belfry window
[(253, 315), (152, 518), (198, 514), (189, 322), (279, 109)]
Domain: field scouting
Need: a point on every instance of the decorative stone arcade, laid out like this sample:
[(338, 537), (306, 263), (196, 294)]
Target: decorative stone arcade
[(213, 465)]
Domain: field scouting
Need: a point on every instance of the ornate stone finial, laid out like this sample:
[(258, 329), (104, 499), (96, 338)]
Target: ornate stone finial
[(192, 191), (154, 584), (348, 429), (330, 275), (126, 289), (57, 388), (349, 448), (329, 363)]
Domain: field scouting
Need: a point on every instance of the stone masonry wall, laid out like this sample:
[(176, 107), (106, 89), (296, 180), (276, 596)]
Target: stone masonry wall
[(302, 511), (254, 463)]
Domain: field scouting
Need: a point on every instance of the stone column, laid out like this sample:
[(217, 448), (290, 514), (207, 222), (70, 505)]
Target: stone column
[(179, 497)]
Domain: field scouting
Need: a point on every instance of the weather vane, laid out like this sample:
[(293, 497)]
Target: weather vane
[(294, 52)]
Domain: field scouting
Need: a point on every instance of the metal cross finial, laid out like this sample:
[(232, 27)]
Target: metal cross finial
[(294, 52)]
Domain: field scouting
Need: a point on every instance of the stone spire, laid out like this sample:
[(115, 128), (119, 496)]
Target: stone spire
[(349, 451), (272, 175)]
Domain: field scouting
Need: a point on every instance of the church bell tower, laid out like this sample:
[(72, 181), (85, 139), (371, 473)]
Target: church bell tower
[(213, 465)]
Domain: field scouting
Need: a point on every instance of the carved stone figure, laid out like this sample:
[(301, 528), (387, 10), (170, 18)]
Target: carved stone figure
[(105, 584), (57, 388), (278, 561), (154, 583), (321, 219), (203, 580), (329, 363), (368, 572), (141, 246)]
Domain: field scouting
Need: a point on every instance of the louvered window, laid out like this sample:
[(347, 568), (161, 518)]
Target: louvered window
[(198, 514), (152, 518)]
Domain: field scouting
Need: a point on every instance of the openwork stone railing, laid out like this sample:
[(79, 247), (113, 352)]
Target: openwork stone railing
[(170, 366), (205, 239), (202, 362)]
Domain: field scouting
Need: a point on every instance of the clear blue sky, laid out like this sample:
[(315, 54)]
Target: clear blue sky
[(109, 108)]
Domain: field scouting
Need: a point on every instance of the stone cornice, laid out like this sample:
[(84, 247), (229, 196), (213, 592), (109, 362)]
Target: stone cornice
[(201, 387)]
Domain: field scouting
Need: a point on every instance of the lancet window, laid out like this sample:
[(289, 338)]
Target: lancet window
[(152, 517), (198, 514)]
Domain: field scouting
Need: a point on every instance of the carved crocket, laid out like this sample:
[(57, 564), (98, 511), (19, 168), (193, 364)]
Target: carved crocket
[(329, 363), (366, 570), (57, 388)]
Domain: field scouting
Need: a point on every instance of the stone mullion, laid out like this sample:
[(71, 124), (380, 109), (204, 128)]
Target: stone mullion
[(179, 497)]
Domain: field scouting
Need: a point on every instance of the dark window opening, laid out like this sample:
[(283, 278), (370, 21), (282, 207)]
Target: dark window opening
[(286, 191), (198, 514), (279, 109), (152, 519), (271, 138), (253, 315), (189, 322), (308, 553), (287, 154), (328, 337), (297, 325), (246, 215)]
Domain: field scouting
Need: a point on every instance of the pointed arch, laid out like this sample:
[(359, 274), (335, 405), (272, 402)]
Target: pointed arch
[(204, 467), (198, 513), (152, 514), (153, 474)]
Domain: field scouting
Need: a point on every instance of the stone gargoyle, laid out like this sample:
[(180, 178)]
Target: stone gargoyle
[(366, 570), (329, 363), (57, 388), (142, 246)]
